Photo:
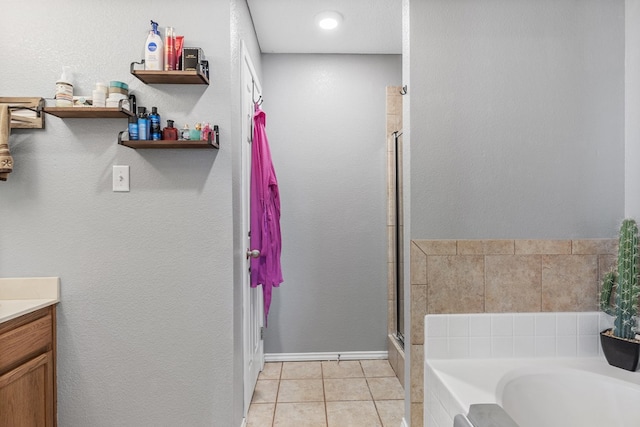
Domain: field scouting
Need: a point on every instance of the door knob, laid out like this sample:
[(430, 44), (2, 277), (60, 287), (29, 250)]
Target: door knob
[(253, 254)]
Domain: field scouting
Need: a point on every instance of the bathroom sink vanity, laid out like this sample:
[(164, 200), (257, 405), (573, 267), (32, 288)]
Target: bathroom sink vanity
[(28, 351)]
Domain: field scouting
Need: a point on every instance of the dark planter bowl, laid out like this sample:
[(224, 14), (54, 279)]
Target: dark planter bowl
[(619, 352)]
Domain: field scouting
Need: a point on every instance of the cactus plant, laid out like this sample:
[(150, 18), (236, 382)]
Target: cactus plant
[(623, 281)]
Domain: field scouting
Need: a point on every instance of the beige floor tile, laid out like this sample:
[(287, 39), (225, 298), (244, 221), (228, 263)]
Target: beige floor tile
[(377, 368), (387, 388), (301, 370), (260, 415), (310, 414), (265, 391), (344, 369), (390, 412), (352, 414), (301, 391), (271, 371), (346, 389)]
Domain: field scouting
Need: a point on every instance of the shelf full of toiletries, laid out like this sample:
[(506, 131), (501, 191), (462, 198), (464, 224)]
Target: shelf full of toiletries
[(111, 101), (166, 60), (145, 131)]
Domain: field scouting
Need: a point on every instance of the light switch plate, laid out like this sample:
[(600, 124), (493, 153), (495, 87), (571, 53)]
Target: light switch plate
[(120, 178)]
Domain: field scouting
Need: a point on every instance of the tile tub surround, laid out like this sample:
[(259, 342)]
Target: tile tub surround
[(22, 295), (502, 276), (567, 336)]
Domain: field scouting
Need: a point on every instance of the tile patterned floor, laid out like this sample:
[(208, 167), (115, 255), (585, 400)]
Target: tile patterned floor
[(362, 393)]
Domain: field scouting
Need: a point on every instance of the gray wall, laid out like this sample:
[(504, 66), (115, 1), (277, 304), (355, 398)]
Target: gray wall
[(632, 108), (326, 127), (147, 333), (517, 118)]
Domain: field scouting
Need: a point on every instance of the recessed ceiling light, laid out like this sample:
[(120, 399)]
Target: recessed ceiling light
[(328, 20)]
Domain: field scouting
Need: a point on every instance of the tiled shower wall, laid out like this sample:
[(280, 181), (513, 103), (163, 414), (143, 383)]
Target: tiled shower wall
[(394, 124), (495, 276)]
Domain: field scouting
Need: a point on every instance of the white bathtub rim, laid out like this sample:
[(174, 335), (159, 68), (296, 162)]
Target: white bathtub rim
[(470, 381)]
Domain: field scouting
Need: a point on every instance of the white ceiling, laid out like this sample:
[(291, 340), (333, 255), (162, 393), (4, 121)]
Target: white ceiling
[(287, 26)]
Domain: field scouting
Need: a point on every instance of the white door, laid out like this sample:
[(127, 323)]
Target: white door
[(252, 297)]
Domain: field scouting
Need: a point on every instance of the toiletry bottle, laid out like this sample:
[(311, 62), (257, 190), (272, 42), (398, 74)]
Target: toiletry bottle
[(194, 135), (133, 128), (154, 117), (169, 49), (143, 130), (179, 43), (206, 131), (170, 133), (64, 89), (185, 132), (154, 50)]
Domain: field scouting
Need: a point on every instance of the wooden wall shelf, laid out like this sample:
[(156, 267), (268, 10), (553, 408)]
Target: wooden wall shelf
[(180, 144), (169, 77), (88, 112)]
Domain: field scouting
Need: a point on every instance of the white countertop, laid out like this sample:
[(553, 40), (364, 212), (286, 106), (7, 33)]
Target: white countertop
[(23, 295)]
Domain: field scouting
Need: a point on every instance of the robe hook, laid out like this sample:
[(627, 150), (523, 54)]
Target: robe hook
[(404, 90)]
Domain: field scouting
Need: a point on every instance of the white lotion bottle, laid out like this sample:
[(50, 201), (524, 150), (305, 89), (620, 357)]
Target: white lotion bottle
[(154, 50), (64, 89)]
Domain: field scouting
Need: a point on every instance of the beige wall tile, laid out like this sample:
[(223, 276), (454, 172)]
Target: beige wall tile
[(418, 311), (569, 282), (391, 233), (605, 264), (437, 247), (417, 373), (401, 368), (594, 246), (417, 415), (542, 247), (455, 284), (392, 354), (391, 316), (391, 280), (513, 283), (486, 247), (418, 266)]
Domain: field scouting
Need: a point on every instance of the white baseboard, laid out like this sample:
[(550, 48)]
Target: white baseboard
[(346, 355)]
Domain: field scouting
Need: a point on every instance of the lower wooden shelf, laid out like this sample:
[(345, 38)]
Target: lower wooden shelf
[(180, 144)]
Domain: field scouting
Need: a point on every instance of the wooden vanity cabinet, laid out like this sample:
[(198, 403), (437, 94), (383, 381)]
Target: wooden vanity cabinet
[(28, 370)]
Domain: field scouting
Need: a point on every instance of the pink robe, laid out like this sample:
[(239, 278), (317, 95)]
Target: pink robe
[(265, 214)]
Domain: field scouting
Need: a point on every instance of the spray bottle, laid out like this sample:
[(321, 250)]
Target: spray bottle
[(154, 50)]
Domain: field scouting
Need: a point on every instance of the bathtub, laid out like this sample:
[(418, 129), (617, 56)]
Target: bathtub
[(557, 392)]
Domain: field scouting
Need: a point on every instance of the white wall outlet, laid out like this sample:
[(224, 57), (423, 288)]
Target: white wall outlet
[(120, 178)]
